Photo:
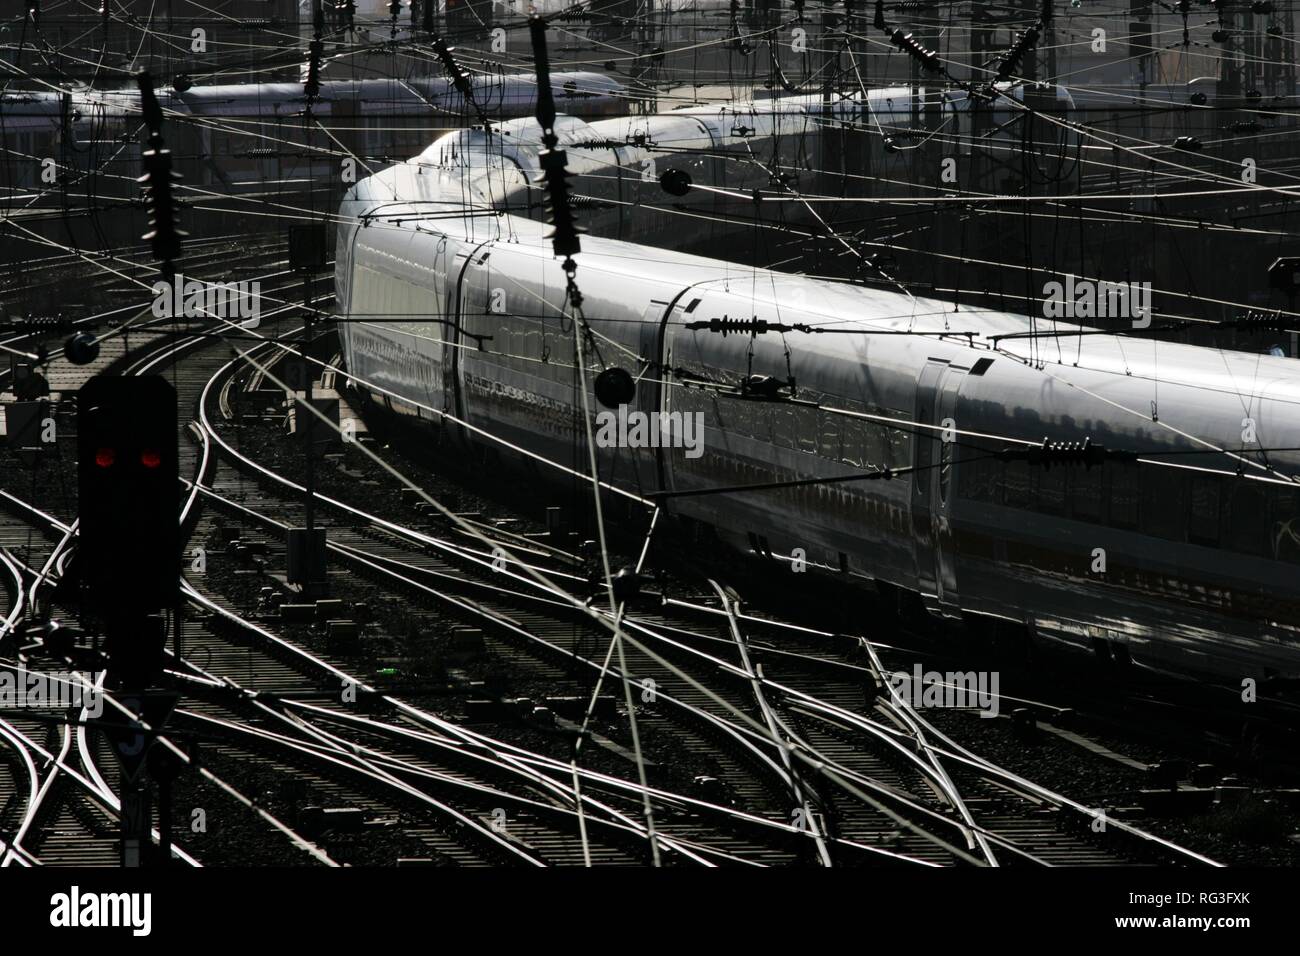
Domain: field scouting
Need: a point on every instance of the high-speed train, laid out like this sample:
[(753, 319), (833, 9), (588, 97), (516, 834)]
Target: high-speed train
[(66, 156), (1178, 549), (237, 136)]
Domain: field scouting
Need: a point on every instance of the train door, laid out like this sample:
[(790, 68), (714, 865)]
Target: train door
[(923, 452), (943, 490), (649, 375), (457, 295), (432, 305), (933, 484)]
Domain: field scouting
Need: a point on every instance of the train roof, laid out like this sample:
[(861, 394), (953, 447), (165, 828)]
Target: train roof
[(828, 304), (31, 111), (412, 191), (251, 99), (515, 93)]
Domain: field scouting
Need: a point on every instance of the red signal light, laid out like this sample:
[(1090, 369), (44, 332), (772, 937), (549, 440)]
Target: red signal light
[(150, 458), (104, 458)]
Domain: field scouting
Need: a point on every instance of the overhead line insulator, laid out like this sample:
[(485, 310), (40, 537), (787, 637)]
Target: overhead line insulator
[(164, 237), (554, 162), (752, 326), (1011, 62), (555, 180), (1263, 322), (346, 12), (315, 54), (1065, 453), (460, 79), (906, 42)]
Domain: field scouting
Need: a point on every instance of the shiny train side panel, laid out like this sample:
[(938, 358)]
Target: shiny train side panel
[(1186, 560)]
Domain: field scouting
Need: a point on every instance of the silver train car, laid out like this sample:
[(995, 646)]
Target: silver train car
[(240, 137), (55, 140), (1180, 555), (782, 148), (69, 162)]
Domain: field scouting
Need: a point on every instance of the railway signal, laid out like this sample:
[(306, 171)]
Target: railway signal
[(308, 253), (158, 179), (128, 499)]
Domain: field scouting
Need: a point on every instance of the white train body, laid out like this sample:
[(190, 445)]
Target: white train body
[(454, 310)]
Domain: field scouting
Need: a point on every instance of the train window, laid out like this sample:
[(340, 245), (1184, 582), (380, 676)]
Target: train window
[(874, 448), (970, 480), (1051, 492), (1245, 518), (1017, 484), (806, 428), (1085, 494), (1164, 503), (1122, 484), (979, 479), (829, 445), (760, 422), (1203, 522), (783, 425), (383, 311), (1285, 526), (853, 442), (528, 338), (924, 458), (898, 441), (735, 418), (945, 469), (503, 341), (392, 299), (375, 135), (403, 306)]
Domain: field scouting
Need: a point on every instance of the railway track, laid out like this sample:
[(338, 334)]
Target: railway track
[(475, 843), (540, 636), (811, 759), (56, 779)]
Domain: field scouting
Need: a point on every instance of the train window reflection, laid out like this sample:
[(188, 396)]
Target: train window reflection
[(1245, 518), (1052, 485), (783, 425), (1122, 496), (1285, 526), (1203, 523), (1164, 504), (853, 448), (945, 470), (924, 457), (897, 440), (830, 436), (1017, 484), (1085, 494), (979, 479), (806, 429)]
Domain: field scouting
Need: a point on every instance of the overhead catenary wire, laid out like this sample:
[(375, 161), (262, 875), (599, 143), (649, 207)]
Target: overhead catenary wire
[(579, 369)]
